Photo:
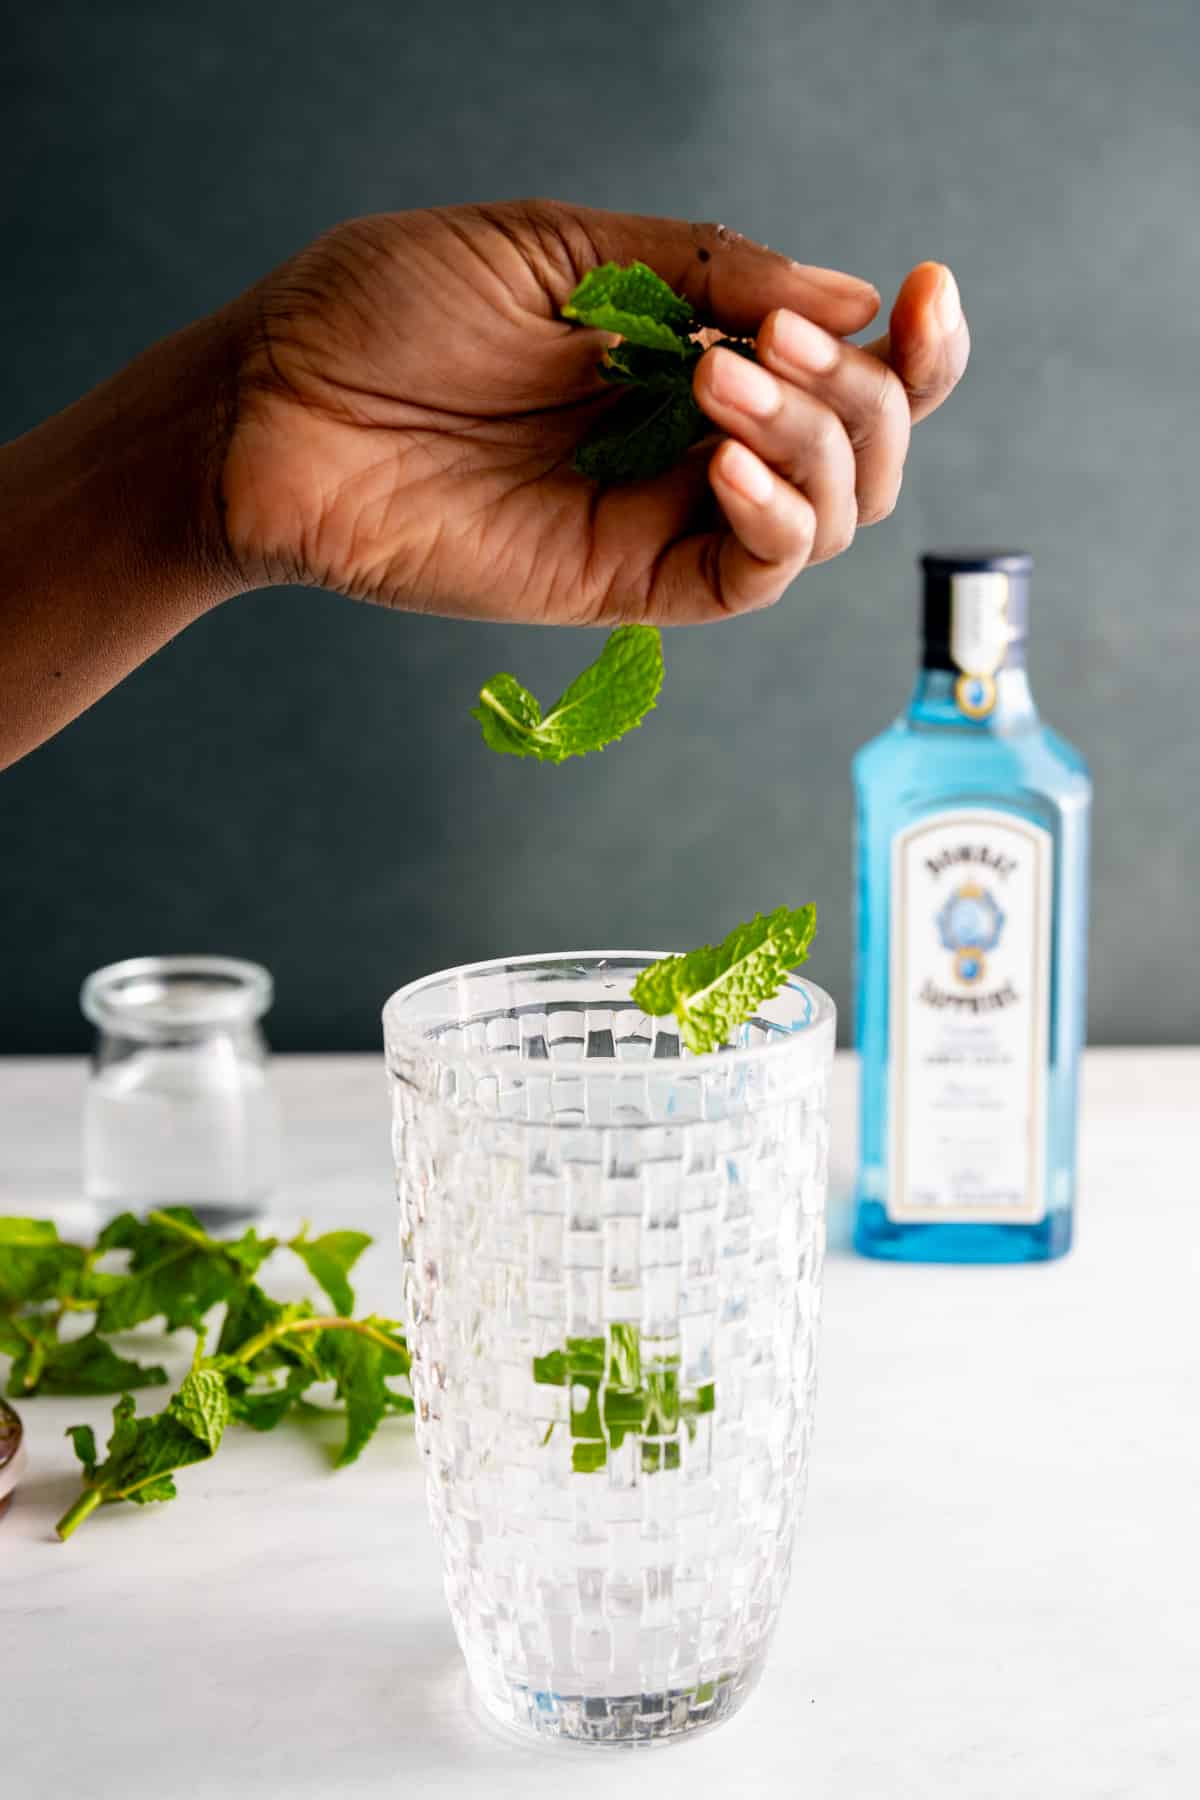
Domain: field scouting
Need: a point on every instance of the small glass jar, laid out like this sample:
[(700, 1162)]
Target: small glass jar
[(179, 1111)]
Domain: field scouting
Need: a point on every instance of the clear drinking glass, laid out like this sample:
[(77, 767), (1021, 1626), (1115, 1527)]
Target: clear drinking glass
[(179, 1111), (612, 1265)]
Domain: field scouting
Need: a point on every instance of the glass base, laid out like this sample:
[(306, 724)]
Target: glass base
[(607, 1721), (877, 1235)]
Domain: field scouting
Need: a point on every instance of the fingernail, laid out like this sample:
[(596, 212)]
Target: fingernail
[(947, 305), (743, 471), (796, 341), (743, 384), (836, 282)]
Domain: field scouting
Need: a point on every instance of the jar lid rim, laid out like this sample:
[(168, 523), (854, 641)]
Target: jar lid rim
[(157, 997)]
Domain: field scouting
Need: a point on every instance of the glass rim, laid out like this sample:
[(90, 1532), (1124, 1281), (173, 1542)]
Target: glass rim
[(397, 1034), (249, 991)]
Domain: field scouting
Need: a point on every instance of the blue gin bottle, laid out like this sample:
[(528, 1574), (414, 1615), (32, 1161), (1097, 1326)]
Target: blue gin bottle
[(972, 848)]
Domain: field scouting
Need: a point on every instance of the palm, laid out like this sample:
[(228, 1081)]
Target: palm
[(410, 398), (416, 399)]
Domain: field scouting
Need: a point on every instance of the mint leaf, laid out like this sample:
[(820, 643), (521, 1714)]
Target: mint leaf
[(263, 1408), (717, 987), (34, 1265), (635, 302), (84, 1365), (361, 1365), (83, 1439), (202, 1407), (329, 1260), (177, 1271), (609, 698), (144, 1453), (648, 432)]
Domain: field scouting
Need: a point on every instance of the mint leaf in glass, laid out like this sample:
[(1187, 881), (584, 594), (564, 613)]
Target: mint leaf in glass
[(612, 695), (716, 988)]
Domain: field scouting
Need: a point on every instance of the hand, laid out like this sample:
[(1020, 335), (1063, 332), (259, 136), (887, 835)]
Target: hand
[(409, 400)]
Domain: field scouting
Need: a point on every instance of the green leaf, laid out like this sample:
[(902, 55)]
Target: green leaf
[(635, 302), (629, 365), (84, 1365), (263, 1408), (202, 1406), (252, 1311), (143, 1453), (329, 1260), (716, 988), (34, 1265), (177, 1271), (360, 1366), (83, 1438), (648, 432), (609, 698)]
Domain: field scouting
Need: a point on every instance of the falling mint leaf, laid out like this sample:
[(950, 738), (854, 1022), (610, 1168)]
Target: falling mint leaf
[(144, 1453), (635, 302), (717, 987), (611, 697), (329, 1260)]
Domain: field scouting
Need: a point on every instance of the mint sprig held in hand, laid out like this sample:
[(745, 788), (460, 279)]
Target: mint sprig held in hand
[(611, 697), (716, 988), (658, 421)]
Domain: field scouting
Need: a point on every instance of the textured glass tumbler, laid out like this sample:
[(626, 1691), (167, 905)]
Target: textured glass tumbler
[(612, 1267)]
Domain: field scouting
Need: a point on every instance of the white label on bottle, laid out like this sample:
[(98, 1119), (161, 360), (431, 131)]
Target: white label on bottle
[(979, 628), (969, 1019)]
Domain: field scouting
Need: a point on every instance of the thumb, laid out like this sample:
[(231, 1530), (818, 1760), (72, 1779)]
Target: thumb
[(927, 342)]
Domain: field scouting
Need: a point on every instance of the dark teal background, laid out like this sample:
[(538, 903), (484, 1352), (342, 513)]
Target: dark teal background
[(296, 779)]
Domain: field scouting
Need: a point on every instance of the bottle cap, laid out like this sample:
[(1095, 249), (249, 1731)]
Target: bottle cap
[(975, 613)]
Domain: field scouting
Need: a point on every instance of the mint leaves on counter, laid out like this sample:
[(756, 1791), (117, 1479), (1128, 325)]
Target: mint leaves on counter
[(269, 1353), (143, 1454), (714, 989), (611, 697)]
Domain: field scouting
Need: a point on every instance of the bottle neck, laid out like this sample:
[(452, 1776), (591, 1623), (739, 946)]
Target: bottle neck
[(934, 703)]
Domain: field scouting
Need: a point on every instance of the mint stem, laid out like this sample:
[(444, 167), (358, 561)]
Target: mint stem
[(87, 1502), (271, 1334)]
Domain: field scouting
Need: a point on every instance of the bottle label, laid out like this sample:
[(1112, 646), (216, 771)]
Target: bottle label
[(969, 1019)]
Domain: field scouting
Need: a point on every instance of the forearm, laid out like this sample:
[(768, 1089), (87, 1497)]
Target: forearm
[(111, 538)]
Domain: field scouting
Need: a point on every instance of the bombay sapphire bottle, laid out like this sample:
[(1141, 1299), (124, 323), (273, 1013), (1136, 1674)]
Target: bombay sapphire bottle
[(972, 843)]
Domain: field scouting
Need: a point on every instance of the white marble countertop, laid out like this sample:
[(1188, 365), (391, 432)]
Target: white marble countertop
[(996, 1592)]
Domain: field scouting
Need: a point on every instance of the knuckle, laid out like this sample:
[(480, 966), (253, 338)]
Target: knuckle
[(839, 540), (828, 435)]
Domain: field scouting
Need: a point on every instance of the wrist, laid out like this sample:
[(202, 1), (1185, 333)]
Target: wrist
[(111, 530), (127, 480)]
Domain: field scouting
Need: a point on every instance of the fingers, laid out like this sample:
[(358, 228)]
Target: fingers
[(800, 437), (927, 342), (730, 280), (866, 395), (773, 529), (742, 565)]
